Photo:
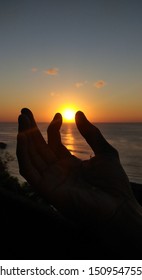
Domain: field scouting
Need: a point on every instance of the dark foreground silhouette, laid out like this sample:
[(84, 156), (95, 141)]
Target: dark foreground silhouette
[(97, 215)]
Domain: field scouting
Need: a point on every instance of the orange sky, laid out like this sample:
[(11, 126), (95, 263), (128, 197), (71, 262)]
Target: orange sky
[(97, 111), (80, 54)]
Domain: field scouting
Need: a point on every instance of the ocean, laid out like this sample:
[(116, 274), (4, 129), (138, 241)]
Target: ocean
[(125, 137)]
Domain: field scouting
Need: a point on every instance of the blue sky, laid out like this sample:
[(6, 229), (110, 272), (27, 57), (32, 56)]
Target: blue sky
[(88, 53)]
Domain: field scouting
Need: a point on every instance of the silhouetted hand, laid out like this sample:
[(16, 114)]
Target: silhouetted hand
[(80, 190)]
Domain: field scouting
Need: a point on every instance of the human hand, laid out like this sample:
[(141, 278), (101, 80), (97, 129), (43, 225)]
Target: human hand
[(81, 190)]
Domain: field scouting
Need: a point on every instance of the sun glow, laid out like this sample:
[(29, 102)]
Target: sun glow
[(68, 114)]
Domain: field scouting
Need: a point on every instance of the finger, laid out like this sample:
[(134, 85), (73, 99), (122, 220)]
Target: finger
[(23, 124), (93, 136), (54, 137), (26, 168), (36, 135), (35, 157), (37, 138)]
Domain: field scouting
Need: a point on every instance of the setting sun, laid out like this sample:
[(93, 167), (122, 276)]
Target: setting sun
[(68, 115)]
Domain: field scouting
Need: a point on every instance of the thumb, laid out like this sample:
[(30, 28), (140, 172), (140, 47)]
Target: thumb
[(93, 136)]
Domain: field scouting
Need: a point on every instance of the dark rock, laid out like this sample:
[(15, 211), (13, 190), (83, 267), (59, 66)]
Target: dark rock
[(3, 145)]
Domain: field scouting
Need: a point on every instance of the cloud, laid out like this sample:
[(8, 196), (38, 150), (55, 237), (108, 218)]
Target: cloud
[(52, 94), (34, 69), (51, 71), (100, 84), (80, 84)]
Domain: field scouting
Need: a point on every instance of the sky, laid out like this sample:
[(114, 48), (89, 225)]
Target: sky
[(80, 54)]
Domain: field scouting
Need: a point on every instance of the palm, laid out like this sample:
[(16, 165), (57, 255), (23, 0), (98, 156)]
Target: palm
[(79, 189)]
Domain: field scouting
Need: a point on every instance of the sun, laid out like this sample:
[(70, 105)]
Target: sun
[(68, 115)]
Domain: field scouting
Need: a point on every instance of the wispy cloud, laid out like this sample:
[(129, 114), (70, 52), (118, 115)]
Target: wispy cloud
[(100, 84), (51, 71), (53, 94), (80, 84), (34, 69)]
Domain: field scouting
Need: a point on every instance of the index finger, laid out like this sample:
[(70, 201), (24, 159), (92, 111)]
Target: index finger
[(54, 138)]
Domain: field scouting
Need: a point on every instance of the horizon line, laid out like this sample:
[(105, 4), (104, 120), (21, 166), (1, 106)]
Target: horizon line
[(65, 122)]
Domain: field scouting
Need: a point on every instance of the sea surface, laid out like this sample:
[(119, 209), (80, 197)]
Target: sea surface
[(125, 137)]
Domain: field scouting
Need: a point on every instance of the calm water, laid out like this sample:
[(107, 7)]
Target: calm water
[(126, 138)]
